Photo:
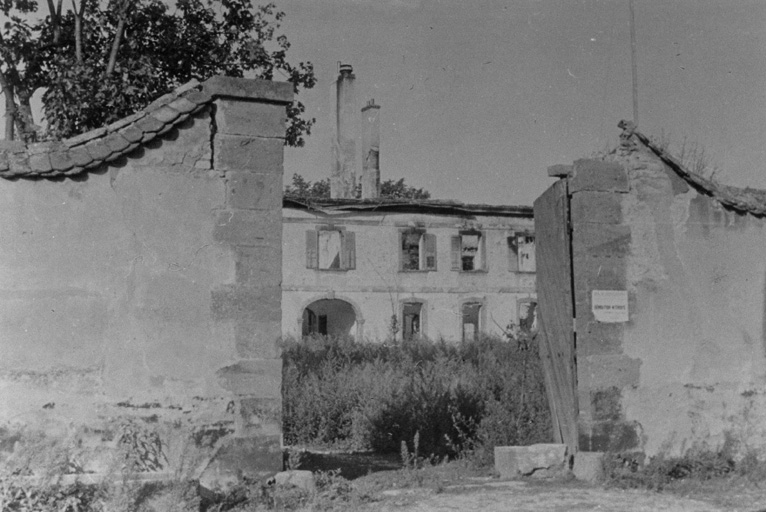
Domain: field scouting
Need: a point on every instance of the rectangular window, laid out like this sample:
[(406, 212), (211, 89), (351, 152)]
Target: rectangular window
[(468, 251), (471, 313), (330, 249), (411, 320), (417, 251), (521, 252)]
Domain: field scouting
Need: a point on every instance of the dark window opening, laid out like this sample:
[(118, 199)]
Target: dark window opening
[(471, 313), (411, 320)]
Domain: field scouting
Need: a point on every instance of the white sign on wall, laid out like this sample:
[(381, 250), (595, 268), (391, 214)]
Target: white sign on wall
[(610, 306)]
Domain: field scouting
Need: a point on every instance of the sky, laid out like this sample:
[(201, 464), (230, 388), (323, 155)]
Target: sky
[(478, 98)]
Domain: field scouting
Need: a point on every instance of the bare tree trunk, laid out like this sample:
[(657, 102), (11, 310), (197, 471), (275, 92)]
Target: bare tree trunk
[(55, 20), (25, 126), (124, 9)]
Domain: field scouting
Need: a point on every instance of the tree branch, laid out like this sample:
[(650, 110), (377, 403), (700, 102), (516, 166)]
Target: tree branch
[(124, 9), (78, 17)]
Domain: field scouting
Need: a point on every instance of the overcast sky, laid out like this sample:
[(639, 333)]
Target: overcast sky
[(480, 97)]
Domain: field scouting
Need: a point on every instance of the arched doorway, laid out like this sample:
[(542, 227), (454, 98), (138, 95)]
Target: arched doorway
[(329, 317)]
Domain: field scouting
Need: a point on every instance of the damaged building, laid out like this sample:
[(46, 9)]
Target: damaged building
[(379, 268), (652, 307)]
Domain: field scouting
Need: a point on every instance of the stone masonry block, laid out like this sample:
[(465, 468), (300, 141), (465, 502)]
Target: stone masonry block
[(598, 175), (249, 228), (596, 274), (237, 153), (250, 119), (609, 436), (254, 191), (596, 207), (603, 372), (589, 466), (302, 479), (261, 304), (264, 90), (597, 338), (256, 338), (260, 416), (258, 266), (256, 378), (605, 404), (515, 461), (601, 241)]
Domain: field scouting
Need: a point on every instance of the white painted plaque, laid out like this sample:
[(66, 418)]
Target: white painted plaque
[(610, 306)]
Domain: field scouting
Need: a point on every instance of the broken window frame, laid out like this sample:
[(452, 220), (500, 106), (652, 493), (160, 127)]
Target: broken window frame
[(426, 251), (458, 247), (480, 319), (347, 255), (521, 260), (421, 317)]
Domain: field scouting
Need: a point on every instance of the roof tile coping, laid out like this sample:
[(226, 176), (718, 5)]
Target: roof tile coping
[(108, 143), (750, 200)]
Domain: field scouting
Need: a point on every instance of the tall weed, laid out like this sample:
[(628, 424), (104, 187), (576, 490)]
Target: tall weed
[(458, 398)]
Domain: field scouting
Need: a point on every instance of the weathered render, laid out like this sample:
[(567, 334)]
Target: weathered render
[(685, 366), (140, 290)]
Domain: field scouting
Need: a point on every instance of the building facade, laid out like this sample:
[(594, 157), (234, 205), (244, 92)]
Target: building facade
[(391, 269)]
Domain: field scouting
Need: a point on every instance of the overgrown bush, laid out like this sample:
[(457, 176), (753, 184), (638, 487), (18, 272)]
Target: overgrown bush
[(457, 398)]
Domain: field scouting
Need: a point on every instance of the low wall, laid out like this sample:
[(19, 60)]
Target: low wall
[(140, 291)]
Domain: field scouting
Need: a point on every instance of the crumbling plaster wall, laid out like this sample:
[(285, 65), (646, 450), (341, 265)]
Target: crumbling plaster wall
[(688, 370), (145, 297)]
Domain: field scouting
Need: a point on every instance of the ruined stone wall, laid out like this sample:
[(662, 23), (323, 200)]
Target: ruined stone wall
[(687, 368), (140, 302)]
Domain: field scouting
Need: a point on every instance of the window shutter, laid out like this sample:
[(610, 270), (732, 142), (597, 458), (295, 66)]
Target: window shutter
[(401, 250), (348, 255), (430, 250), (483, 252), (312, 249), (513, 254), (456, 247)]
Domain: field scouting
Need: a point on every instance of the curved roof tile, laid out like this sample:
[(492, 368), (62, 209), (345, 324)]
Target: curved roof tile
[(94, 148)]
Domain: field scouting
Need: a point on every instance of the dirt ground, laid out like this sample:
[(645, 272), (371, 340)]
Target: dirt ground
[(530, 496)]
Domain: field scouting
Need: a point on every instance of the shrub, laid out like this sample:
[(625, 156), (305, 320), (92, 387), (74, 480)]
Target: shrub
[(458, 398)]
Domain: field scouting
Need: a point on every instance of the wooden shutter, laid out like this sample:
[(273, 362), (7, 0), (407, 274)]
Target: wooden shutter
[(312, 249), (456, 247), (513, 253), (348, 252), (483, 263), (429, 242)]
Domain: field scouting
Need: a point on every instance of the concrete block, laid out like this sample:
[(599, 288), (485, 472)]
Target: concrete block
[(301, 479), (596, 207), (253, 191), (605, 404), (589, 466), (515, 461), (254, 154), (249, 228), (251, 119), (598, 175), (597, 338), (259, 378)]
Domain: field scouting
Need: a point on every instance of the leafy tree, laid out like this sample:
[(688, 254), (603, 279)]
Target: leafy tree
[(101, 61), (389, 189)]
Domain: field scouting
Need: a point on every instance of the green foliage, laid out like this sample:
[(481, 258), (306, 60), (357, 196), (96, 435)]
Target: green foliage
[(454, 399), (390, 189), (100, 62)]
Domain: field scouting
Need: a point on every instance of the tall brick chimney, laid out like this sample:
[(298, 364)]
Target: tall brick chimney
[(371, 150), (343, 172)]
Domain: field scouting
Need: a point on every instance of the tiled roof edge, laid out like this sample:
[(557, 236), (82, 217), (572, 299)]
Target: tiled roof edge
[(750, 200), (92, 149)]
